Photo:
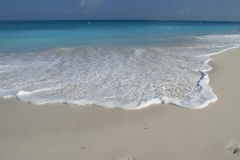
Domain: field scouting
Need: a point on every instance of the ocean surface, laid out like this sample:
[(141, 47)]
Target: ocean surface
[(122, 64)]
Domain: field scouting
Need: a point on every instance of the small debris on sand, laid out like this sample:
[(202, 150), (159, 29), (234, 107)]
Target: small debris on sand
[(233, 147)]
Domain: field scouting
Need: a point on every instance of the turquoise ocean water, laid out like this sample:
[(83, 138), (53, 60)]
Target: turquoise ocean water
[(123, 64)]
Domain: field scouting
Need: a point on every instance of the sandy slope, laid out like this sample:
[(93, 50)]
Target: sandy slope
[(61, 132)]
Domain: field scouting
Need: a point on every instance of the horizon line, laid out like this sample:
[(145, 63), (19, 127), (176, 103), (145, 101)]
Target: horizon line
[(119, 20)]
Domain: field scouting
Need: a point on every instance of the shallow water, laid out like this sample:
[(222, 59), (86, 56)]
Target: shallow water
[(124, 64)]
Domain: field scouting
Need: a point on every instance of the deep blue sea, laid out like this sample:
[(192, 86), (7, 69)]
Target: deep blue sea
[(122, 64)]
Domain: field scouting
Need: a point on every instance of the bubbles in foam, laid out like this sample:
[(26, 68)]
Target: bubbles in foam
[(106, 75)]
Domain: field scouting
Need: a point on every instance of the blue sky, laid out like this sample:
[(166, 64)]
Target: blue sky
[(218, 10)]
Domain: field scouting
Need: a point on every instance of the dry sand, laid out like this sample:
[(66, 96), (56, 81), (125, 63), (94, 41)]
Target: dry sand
[(69, 132)]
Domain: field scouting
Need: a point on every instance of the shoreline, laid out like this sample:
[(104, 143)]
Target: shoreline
[(58, 131), (200, 99)]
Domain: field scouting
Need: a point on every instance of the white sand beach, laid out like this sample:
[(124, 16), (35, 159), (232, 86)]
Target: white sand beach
[(60, 132)]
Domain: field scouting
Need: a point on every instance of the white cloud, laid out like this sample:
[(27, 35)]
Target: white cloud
[(90, 3), (82, 3)]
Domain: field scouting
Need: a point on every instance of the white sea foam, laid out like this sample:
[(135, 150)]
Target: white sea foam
[(111, 76)]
